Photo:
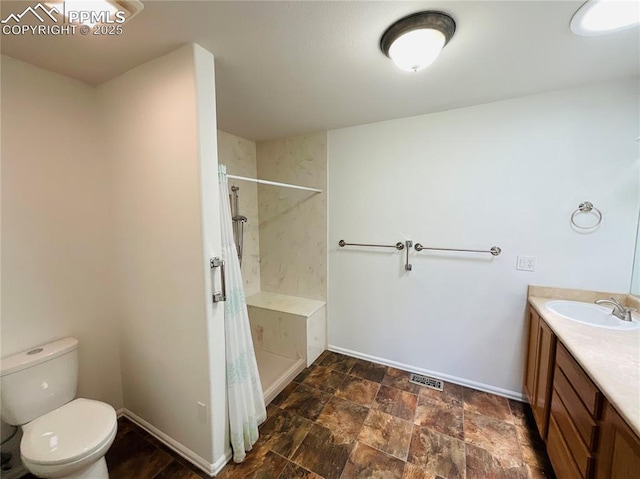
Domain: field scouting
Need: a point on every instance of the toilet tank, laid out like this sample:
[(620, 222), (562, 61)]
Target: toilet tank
[(38, 380)]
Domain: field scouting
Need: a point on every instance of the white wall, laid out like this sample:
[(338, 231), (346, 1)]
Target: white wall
[(508, 174), (161, 118), (212, 246), (57, 242)]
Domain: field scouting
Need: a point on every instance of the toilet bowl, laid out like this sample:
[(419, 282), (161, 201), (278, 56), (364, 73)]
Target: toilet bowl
[(70, 440), (63, 437)]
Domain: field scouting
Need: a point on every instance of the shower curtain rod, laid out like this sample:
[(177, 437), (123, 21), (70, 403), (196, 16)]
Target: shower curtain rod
[(274, 183)]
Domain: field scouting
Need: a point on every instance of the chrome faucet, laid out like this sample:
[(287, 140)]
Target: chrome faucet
[(619, 311)]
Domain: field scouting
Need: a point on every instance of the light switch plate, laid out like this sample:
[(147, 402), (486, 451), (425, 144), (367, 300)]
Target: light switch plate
[(526, 263)]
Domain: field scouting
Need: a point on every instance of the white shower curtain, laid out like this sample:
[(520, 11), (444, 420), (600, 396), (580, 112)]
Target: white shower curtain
[(246, 401)]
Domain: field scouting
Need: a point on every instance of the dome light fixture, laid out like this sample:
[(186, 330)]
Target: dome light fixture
[(415, 41), (599, 17)]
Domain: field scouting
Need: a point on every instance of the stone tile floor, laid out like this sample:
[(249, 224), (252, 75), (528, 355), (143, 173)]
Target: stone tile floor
[(344, 418)]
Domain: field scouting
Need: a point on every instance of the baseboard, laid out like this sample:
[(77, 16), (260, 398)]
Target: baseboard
[(185, 452), (283, 381), (446, 377), (217, 466)]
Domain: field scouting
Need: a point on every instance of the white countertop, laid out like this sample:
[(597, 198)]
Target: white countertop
[(610, 357)]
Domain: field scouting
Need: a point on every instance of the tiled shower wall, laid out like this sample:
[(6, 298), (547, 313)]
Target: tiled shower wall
[(240, 157), (293, 223), (285, 240)]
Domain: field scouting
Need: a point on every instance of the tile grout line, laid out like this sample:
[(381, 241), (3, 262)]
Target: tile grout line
[(293, 462), (285, 466), (412, 424), (369, 408), (413, 429), (165, 467), (513, 424), (333, 394), (355, 441), (293, 453), (313, 422)]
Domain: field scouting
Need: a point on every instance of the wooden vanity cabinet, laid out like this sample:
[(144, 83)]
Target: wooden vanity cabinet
[(586, 437), (539, 370), (576, 405), (532, 355), (619, 455)]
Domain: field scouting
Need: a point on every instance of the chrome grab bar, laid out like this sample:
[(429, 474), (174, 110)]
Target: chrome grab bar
[(408, 266), (495, 250), (399, 246), (219, 296)]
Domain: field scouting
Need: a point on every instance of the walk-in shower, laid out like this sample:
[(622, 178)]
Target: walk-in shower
[(288, 332)]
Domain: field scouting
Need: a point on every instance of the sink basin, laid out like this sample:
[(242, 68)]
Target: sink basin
[(591, 314)]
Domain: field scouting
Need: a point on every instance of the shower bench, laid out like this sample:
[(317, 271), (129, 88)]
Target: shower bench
[(289, 333)]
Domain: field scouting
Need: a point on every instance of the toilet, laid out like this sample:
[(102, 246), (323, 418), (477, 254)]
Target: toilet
[(62, 437)]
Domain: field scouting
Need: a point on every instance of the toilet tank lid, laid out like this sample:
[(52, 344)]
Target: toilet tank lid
[(39, 354)]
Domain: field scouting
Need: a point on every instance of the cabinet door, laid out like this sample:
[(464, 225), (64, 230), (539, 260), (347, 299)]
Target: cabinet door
[(619, 456), (532, 352), (544, 377)]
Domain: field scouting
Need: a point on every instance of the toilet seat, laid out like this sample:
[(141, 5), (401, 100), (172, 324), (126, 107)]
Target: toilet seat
[(68, 434)]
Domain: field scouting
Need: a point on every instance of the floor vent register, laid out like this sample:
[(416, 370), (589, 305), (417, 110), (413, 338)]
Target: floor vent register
[(426, 381)]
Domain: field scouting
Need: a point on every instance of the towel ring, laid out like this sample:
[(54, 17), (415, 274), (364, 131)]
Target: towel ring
[(586, 207)]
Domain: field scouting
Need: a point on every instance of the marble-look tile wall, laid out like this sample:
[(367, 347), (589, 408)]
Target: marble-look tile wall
[(293, 223), (240, 157)]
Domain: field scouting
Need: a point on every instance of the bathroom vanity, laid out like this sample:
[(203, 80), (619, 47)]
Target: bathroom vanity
[(583, 384)]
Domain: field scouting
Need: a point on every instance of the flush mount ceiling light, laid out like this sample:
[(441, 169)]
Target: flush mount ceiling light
[(599, 17), (414, 42)]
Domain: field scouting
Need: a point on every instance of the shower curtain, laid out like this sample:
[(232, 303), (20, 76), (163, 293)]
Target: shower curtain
[(244, 390)]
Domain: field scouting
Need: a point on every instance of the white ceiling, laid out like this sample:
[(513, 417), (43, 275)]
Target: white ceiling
[(286, 68)]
